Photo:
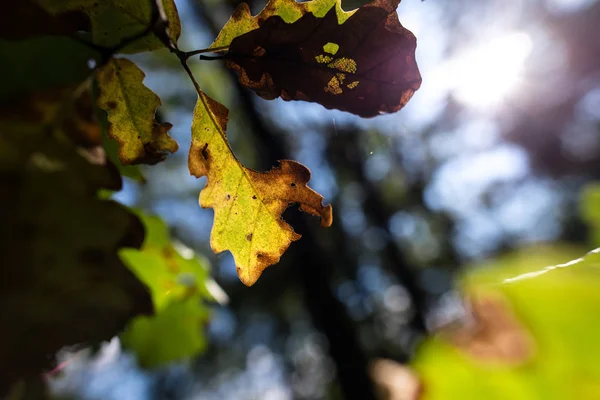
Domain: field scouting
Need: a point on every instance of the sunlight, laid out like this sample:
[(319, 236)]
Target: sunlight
[(486, 75)]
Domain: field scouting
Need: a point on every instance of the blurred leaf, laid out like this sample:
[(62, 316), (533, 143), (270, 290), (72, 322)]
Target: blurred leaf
[(131, 109), (174, 333), (247, 204), (115, 20), (362, 61), (25, 18), (41, 63), (551, 306), (591, 210), (66, 110), (168, 274), (178, 287), (61, 280)]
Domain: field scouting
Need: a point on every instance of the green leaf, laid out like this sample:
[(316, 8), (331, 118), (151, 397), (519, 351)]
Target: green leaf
[(173, 334), (178, 287), (131, 109), (115, 20), (362, 62), (551, 354), (159, 264), (61, 280), (247, 204)]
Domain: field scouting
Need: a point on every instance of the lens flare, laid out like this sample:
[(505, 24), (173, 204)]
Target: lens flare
[(486, 75)]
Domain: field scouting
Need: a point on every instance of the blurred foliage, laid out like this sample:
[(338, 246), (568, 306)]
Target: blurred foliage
[(61, 281), (178, 288), (559, 357)]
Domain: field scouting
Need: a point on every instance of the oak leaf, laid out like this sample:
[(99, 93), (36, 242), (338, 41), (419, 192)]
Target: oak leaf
[(112, 21), (247, 204), (131, 109), (361, 61)]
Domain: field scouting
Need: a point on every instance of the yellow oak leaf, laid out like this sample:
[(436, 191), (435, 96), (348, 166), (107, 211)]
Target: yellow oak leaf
[(247, 204), (131, 109)]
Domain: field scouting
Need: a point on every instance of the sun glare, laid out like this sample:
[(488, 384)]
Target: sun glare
[(486, 75)]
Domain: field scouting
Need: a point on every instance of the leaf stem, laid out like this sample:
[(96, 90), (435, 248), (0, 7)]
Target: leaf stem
[(212, 58), (189, 54)]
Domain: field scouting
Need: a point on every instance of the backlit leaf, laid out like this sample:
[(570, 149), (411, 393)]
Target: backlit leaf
[(362, 61), (114, 20), (61, 280), (131, 109), (178, 287), (247, 204)]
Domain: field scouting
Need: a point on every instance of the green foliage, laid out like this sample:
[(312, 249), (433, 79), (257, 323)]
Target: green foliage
[(178, 287), (163, 268), (552, 354), (173, 334)]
